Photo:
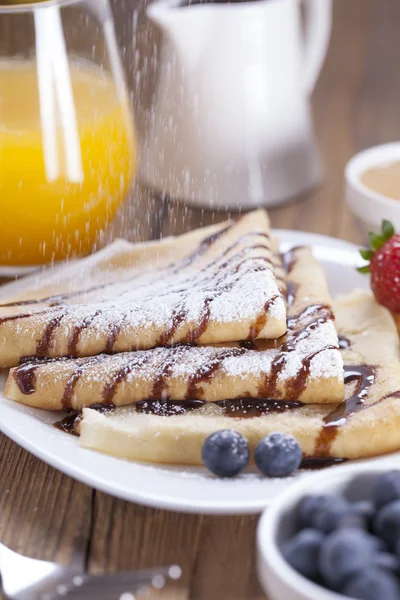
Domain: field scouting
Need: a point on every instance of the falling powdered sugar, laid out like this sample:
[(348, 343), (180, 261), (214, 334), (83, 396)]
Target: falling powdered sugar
[(231, 296)]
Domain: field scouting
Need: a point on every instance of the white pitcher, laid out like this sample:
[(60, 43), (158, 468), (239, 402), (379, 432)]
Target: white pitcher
[(232, 125)]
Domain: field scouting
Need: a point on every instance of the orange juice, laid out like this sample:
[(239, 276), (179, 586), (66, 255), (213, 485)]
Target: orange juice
[(42, 220)]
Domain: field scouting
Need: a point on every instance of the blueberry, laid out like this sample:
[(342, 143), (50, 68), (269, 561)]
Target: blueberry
[(278, 455), (366, 509), (343, 553), (372, 584), (307, 507), (302, 552), (387, 561), (387, 488), (387, 523), (225, 453), (328, 513), (336, 516)]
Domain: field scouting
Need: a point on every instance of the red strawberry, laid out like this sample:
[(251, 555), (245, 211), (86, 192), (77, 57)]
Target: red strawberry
[(384, 266)]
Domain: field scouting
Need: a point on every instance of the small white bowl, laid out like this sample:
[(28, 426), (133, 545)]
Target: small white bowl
[(368, 205), (277, 524)]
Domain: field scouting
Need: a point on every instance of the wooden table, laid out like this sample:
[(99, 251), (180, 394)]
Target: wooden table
[(48, 515)]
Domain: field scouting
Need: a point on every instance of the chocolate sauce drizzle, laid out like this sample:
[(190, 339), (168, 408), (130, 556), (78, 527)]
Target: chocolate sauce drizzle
[(70, 423), (167, 408), (241, 408), (311, 311), (244, 251), (203, 247), (248, 408), (77, 331), (248, 344), (178, 317), (296, 385), (7, 318), (205, 372), (344, 342), (66, 400), (261, 321), (160, 385), (111, 387), (364, 377), (25, 374), (320, 462), (159, 403), (395, 394), (299, 327), (289, 258), (60, 298), (58, 307), (25, 378)]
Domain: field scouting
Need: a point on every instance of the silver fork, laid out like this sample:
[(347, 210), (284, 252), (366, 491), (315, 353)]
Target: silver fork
[(26, 578)]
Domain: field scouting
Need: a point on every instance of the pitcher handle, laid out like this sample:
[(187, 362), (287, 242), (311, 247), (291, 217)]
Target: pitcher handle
[(318, 25)]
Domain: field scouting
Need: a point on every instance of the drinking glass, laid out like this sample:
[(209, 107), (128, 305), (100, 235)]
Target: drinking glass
[(67, 139)]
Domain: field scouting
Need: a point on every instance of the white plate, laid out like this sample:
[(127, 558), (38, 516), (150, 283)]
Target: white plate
[(176, 488), (10, 272)]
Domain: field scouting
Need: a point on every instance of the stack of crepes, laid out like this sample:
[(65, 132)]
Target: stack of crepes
[(169, 341)]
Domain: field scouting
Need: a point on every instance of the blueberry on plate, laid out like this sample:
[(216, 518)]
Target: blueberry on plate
[(345, 552), (302, 552), (387, 488), (225, 453), (372, 584), (278, 455), (387, 523)]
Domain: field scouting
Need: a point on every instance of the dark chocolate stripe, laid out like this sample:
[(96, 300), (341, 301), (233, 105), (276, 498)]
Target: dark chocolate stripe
[(205, 371), (66, 400), (262, 319), (134, 361), (161, 380), (364, 376), (78, 330), (44, 343)]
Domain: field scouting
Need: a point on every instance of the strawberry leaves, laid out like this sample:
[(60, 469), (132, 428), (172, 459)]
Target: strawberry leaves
[(376, 241), (367, 254), (387, 230), (364, 270)]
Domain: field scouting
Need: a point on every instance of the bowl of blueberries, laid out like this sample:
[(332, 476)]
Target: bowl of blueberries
[(333, 536)]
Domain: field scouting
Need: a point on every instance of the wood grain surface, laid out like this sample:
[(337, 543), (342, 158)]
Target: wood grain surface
[(47, 515)]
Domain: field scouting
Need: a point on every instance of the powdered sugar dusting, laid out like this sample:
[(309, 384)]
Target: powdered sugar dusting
[(237, 366), (236, 288), (233, 298)]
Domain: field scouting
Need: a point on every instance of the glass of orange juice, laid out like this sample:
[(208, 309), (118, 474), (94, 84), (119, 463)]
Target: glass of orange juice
[(67, 140)]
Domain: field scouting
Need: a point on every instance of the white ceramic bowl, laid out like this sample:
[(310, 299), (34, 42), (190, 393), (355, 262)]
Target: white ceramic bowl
[(277, 524), (368, 205)]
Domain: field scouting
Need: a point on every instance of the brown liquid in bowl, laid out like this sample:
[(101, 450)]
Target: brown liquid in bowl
[(383, 179)]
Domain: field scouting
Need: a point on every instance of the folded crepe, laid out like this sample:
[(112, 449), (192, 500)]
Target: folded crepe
[(304, 365), (366, 424), (217, 284)]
